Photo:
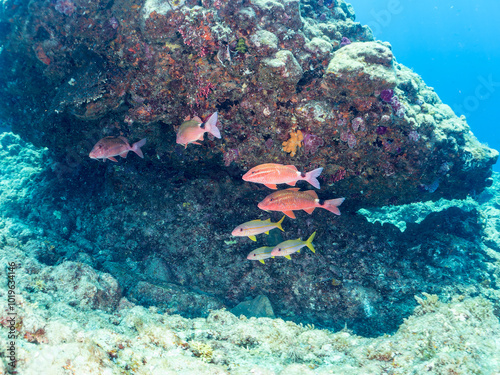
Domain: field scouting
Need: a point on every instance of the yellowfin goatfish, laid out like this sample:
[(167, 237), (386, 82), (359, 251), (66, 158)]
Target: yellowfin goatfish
[(193, 130), (251, 228), (286, 248), (261, 253)]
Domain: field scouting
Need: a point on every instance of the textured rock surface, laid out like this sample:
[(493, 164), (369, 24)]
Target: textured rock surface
[(459, 336), (77, 71)]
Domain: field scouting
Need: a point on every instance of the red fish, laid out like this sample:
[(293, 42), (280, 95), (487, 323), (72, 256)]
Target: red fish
[(193, 130), (109, 147), (272, 174), (289, 200)]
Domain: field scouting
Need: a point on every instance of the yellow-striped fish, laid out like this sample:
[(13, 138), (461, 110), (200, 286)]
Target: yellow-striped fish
[(251, 228), (261, 253), (286, 248)]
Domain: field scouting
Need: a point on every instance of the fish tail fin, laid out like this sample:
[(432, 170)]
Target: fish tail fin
[(332, 205), (211, 125), (136, 147), (312, 177), (309, 242), (278, 224)]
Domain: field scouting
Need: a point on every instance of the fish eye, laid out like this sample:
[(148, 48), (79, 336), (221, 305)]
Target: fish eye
[(255, 255), (100, 146), (279, 249), (271, 200), (241, 229), (253, 172)]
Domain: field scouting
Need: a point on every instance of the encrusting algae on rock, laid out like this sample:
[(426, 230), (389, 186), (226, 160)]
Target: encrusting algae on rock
[(293, 143)]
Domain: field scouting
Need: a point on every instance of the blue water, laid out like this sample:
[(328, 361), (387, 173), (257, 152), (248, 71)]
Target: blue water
[(453, 45)]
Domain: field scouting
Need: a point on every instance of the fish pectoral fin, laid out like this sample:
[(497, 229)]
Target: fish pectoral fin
[(113, 159), (253, 238), (262, 261), (288, 257), (309, 210), (271, 186), (290, 214)]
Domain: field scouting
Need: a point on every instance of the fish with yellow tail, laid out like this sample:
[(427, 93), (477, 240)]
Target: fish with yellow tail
[(193, 130), (271, 174), (286, 248), (109, 147), (254, 227), (261, 253), (292, 199)]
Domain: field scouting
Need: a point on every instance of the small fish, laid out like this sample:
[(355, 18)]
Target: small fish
[(109, 147), (272, 174), (192, 130), (261, 253), (292, 199), (286, 248), (251, 228)]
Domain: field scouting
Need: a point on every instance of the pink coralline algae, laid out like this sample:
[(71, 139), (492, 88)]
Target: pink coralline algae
[(351, 140), (345, 41), (338, 176), (414, 136), (65, 7), (269, 143), (358, 124), (312, 143), (113, 22), (389, 97), (386, 95)]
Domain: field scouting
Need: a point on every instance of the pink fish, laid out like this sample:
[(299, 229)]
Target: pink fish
[(292, 199), (109, 147), (193, 130), (271, 174)]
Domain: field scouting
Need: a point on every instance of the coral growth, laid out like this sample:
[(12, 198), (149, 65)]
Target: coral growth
[(294, 142)]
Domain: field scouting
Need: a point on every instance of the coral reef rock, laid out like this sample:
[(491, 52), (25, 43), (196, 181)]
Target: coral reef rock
[(74, 72)]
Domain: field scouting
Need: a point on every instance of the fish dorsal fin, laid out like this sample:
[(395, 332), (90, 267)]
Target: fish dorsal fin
[(312, 193), (292, 167), (197, 119), (187, 118), (295, 189)]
